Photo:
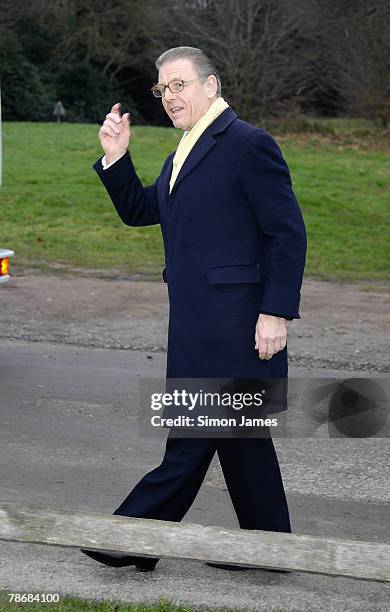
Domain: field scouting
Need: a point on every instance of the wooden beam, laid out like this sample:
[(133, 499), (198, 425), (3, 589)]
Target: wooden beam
[(166, 539)]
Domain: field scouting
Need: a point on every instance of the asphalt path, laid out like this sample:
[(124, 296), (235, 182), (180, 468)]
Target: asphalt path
[(342, 326), (72, 353), (70, 439)]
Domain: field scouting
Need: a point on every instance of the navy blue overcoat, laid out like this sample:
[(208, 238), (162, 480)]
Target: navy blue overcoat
[(235, 246)]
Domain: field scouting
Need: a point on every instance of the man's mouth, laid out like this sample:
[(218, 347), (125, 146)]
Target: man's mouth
[(176, 109)]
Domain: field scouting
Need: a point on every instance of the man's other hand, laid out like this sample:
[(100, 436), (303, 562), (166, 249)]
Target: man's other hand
[(115, 134), (270, 335)]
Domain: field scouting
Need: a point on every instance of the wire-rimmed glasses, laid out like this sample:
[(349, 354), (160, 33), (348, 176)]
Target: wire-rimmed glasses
[(176, 85)]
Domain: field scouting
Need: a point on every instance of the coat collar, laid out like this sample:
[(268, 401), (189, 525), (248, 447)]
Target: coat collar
[(205, 143)]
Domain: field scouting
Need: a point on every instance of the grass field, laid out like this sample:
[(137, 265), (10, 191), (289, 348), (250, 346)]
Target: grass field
[(55, 211), (70, 604)]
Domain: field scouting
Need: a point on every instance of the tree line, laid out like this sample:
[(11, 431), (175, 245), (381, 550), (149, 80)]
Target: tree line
[(275, 57)]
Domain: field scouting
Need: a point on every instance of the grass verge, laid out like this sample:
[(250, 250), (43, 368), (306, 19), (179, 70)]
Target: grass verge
[(55, 211), (72, 604)]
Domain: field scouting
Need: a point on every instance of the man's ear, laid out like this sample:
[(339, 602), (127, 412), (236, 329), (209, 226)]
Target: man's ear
[(212, 86)]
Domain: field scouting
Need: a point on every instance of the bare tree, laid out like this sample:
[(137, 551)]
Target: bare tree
[(8, 15), (365, 65), (257, 45), (357, 37), (107, 32)]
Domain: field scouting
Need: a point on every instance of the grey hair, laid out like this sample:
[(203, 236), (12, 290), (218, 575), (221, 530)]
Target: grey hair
[(203, 65)]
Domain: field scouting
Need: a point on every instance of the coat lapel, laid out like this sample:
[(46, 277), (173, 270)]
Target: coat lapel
[(203, 146), (166, 178)]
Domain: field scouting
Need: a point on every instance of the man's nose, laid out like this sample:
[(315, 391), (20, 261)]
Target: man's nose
[(168, 95)]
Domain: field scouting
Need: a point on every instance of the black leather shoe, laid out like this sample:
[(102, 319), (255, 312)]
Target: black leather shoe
[(238, 568), (232, 568), (114, 559)]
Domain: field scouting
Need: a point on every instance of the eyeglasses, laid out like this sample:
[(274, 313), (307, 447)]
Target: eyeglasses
[(174, 86)]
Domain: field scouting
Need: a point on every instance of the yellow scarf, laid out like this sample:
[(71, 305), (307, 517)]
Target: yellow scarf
[(190, 137)]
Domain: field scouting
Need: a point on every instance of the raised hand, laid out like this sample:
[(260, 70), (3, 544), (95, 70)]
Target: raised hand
[(115, 134)]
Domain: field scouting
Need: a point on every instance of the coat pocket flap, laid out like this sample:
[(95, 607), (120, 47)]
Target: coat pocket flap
[(247, 273)]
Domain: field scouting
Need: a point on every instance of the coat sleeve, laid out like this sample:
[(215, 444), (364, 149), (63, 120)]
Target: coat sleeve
[(136, 205), (267, 185)]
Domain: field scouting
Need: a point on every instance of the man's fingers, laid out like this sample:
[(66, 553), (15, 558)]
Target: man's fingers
[(116, 108), (270, 349), (114, 118), (277, 346), (113, 127), (115, 122), (280, 343), (262, 348), (266, 349), (114, 134), (108, 131)]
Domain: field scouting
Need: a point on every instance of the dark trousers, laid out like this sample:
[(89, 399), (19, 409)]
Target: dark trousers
[(251, 470)]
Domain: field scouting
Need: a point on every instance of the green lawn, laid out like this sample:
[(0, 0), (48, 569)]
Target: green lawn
[(70, 604), (54, 209)]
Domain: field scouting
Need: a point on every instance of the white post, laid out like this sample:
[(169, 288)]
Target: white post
[(1, 144)]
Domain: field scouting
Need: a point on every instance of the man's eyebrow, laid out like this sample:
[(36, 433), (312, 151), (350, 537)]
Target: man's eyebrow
[(175, 78)]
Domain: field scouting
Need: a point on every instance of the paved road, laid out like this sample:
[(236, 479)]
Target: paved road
[(343, 326), (69, 438)]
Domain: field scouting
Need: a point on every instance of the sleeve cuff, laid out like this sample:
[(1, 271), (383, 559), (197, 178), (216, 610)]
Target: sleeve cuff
[(281, 316), (106, 166)]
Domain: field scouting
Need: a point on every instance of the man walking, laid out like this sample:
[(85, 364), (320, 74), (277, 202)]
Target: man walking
[(235, 246)]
